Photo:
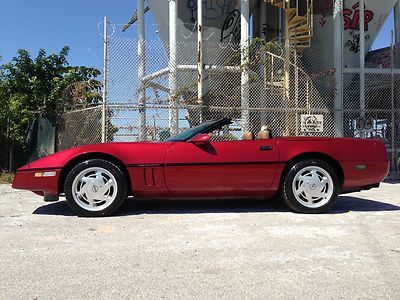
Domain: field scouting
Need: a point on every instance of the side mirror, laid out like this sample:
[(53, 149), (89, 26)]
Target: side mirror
[(200, 139)]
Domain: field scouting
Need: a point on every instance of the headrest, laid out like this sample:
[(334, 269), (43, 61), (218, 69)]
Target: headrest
[(263, 135), (247, 136)]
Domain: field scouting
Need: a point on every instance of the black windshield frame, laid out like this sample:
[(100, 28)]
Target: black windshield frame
[(206, 127)]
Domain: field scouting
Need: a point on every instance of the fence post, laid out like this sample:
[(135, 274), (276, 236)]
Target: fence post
[(262, 22), (286, 78), (172, 65), (10, 147), (362, 62), (397, 23), (244, 44), (338, 64), (396, 92), (104, 107), (141, 70), (392, 123), (200, 69), (8, 140)]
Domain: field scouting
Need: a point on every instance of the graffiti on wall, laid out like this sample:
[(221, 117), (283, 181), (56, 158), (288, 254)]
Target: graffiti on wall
[(212, 9), (351, 17), (231, 27), (216, 13), (323, 8), (354, 43), (384, 60), (325, 73)]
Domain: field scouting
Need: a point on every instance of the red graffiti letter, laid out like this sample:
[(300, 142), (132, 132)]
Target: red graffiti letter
[(369, 15), (346, 16)]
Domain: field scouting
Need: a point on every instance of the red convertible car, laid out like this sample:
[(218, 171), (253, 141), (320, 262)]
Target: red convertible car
[(307, 172)]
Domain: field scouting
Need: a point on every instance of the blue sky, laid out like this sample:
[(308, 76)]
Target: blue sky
[(384, 38), (51, 24)]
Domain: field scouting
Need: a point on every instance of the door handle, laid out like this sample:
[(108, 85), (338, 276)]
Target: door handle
[(266, 148)]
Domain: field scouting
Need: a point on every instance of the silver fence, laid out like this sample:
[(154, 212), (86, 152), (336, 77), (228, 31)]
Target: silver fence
[(291, 94)]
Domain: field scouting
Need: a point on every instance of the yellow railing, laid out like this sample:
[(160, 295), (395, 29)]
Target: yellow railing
[(299, 21)]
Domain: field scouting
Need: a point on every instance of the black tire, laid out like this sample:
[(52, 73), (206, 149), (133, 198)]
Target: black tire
[(312, 171), (108, 172)]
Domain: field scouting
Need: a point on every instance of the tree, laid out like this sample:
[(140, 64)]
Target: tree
[(46, 85)]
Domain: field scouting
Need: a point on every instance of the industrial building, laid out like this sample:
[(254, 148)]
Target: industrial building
[(299, 67)]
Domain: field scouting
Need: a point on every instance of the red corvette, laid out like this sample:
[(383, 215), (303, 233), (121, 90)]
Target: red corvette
[(308, 172)]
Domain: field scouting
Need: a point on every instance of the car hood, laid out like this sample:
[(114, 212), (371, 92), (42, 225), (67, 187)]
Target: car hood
[(128, 153)]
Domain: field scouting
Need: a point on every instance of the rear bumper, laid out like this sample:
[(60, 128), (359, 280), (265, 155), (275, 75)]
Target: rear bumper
[(363, 188), (26, 180), (357, 179)]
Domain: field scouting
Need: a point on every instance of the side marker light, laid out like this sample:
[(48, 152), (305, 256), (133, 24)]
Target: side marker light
[(361, 167), (46, 174)]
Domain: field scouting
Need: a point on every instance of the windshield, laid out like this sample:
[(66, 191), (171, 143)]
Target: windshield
[(206, 127)]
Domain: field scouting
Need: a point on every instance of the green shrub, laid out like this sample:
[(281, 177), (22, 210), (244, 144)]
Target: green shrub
[(6, 177)]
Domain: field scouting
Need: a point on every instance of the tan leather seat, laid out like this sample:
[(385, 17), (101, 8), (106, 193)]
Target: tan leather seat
[(247, 136), (263, 135)]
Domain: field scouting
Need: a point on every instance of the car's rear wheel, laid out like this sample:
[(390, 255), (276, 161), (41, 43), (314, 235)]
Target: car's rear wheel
[(95, 188), (310, 186)]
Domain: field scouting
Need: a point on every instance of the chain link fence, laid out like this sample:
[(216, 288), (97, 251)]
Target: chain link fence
[(79, 127), (4, 145), (290, 94)]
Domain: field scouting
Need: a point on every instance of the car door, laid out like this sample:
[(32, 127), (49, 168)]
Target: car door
[(221, 168)]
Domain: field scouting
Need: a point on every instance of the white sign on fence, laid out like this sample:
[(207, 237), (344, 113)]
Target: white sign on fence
[(312, 123)]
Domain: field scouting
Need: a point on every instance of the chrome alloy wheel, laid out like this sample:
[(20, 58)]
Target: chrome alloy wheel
[(94, 189), (313, 187)]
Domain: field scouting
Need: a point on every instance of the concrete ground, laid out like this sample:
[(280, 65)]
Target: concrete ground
[(203, 249)]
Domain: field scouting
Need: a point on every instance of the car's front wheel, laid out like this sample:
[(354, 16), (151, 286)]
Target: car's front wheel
[(310, 186), (95, 188)]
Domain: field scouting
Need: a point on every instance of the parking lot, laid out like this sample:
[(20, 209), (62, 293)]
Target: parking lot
[(201, 249)]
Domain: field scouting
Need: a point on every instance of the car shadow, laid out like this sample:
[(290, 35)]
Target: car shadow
[(392, 182), (344, 204)]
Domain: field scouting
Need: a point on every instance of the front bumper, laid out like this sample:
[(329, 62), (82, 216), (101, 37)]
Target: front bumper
[(25, 180)]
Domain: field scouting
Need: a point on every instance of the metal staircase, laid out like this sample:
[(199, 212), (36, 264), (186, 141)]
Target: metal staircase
[(299, 21)]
